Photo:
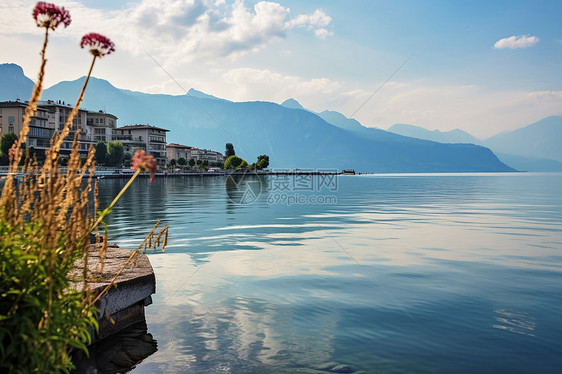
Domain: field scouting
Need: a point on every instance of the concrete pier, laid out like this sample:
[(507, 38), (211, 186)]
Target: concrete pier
[(123, 305)]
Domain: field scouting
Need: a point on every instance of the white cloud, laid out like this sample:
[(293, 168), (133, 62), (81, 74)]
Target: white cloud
[(317, 21), (514, 42), (245, 84), (178, 31)]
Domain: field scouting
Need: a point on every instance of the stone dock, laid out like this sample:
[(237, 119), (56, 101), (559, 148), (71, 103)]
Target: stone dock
[(123, 305)]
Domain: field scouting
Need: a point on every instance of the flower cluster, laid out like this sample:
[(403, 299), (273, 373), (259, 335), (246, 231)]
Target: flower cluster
[(144, 162), (12, 151), (99, 45), (50, 16)]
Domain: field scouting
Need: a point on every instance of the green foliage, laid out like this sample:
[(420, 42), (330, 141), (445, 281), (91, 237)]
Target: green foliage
[(263, 162), (173, 162), (101, 153), (235, 162), (182, 161), (229, 150), (40, 315), (115, 154), (191, 162)]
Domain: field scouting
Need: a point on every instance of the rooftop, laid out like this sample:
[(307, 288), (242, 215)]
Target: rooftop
[(135, 127), (176, 145)]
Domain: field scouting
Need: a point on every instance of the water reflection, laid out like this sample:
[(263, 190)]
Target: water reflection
[(260, 288), (118, 353)]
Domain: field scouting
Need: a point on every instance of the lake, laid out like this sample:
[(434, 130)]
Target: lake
[(428, 273)]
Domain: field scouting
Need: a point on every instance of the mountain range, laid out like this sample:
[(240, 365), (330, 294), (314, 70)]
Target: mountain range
[(535, 147), (291, 135)]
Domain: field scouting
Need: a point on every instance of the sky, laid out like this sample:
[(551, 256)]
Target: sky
[(481, 66)]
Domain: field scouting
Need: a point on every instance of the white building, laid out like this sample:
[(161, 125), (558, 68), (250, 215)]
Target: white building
[(150, 138)]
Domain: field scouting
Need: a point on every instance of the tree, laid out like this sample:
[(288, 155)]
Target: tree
[(5, 145), (115, 154), (182, 161), (229, 150), (101, 153), (127, 159), (173, 162), (263, 162), (235, 162), (191, 162)]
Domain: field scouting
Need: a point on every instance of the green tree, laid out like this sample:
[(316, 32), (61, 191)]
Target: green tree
[(173, 162), (263, 162), (5, 145), (235, 162), (115, 154), (101, 153), (191, 163), (182, 161), (229, 150)]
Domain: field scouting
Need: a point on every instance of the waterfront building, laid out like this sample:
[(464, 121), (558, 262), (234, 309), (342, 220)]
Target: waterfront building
[(100, 126), (51, 115), (176, 151), (206, 155), (152, 139), (40, 129)]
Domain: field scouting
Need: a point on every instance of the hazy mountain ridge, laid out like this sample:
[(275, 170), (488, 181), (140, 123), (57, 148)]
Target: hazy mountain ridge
[(535, 147), (14, 84), (293, 138), (453, 136)]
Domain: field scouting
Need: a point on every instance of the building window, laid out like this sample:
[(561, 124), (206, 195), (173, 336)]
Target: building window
[(11, 120)]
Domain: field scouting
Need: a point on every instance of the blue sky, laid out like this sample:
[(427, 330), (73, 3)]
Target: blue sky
[(326, 54)]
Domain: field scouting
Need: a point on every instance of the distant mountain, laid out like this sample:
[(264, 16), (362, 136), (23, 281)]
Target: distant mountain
[(201, 95), (453, 136), (292, 104), (541, 139), (532, 148), (292, 138), (523, 163), (14, 84)]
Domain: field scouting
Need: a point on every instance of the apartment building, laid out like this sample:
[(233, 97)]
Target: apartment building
[(206, 155), (58, 114), (40, 129), (150, 138), (51, 116), (176, 151), (100, 126)]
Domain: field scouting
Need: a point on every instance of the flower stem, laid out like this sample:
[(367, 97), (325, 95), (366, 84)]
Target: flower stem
[(8, 192), (106, 210), (68, 124)]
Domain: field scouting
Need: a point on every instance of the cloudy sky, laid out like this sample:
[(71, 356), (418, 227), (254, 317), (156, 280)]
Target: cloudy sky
[(482, 66)]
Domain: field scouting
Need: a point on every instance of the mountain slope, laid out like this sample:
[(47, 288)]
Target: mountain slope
[(541, 139), (14, 84), (293, 138), (453, 136)]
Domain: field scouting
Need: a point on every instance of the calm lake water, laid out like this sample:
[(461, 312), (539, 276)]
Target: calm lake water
[(383, 274)]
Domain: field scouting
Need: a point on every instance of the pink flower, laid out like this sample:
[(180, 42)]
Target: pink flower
[(50, 16), (144, 162), (12, 151), (99, 45)]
